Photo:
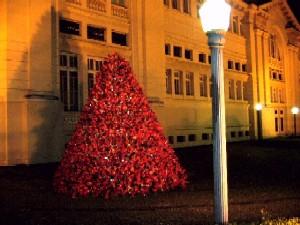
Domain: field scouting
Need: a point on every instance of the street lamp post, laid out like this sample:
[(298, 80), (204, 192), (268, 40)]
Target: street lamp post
[(258, 108), (215, 17), (295, 111)]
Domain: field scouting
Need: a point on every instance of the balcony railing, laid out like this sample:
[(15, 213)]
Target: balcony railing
[(119, 11), (97, 5)]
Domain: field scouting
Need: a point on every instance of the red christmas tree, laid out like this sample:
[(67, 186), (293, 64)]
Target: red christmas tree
[(118, 146)]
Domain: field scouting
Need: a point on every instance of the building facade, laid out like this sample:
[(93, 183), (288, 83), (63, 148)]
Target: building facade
[(51, 50)]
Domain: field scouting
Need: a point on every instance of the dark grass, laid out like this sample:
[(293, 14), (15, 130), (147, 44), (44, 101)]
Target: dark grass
[(264, 181)]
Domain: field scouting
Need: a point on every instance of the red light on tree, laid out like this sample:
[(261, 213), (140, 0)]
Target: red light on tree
[(118, 147)]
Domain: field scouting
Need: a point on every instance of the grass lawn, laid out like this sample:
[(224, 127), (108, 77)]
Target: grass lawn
[(264, 181)]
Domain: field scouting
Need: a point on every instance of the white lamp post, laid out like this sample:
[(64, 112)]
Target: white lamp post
[(295, 111), (215, 17), (258, 108)]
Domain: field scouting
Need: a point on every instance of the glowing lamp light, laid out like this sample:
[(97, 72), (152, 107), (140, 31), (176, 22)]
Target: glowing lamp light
[(258, 107), (295, 110), (215, 15)]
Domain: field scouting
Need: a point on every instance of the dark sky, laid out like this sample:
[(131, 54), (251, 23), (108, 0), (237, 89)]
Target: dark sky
[(295, 8), (293, 4)]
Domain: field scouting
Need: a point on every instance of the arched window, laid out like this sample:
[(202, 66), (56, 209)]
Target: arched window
[(274, 48)]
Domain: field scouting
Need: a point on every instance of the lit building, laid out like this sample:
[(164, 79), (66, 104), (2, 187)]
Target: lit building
[(51, 50)]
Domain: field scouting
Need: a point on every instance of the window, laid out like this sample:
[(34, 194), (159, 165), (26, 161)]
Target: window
[(230, 65), (73, 61), (247, 133), (192, 137), (232, 134), (276, 124), (69, 27), (178, 84), (275, 90), (94, 65), (231, 89), (239, 90), (186, 6), (274, 94), (69, 82), (245, 91), (279, 121), (118, 2), (167, 49), (175, 4), (95, 33), (171, 139), (169, 81), (209, 59), (237, 66), (177, 51), (242, 27), (63, 60), (240, 133), (272, 46), (189, 83), (235, 25), (205, 136), (166, 2), (279, 76), (188, 54), (281, 124), (203, 85), (202, 58), (282, 98), (119, 38), (90, 82), (244, 67), (180, 139)]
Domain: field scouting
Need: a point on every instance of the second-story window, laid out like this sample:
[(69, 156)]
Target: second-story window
[(119, 38), (177, 51), (237, 66), (244, 67), (95, 33), (188, 54), (230, 65), (69, 27), (202, 58), (167, 49)]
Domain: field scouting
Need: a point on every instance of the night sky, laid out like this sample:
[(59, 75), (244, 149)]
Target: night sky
[(295, 8), (293, 4)]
